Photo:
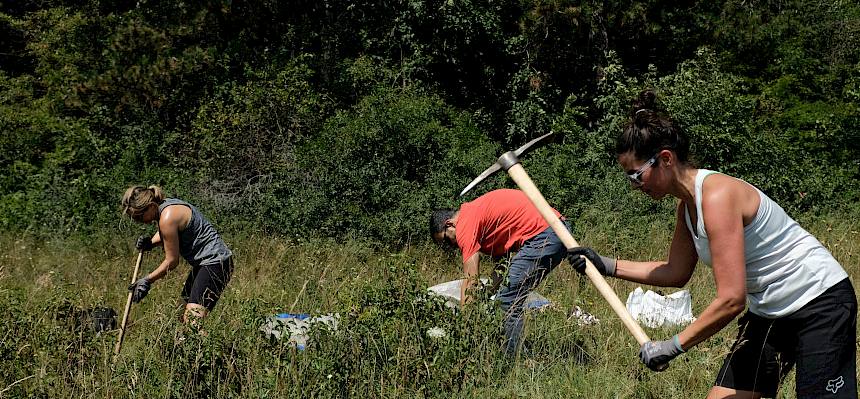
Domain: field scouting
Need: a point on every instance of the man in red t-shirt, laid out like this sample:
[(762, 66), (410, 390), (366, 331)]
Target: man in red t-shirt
[(497, 223)]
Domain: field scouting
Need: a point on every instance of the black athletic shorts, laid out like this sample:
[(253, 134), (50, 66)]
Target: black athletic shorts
[(205, 283), (820, 338)]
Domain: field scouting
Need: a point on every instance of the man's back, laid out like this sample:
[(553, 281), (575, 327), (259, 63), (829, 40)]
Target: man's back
[(497, 222)]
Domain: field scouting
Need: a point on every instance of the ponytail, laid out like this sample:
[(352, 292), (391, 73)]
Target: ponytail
[(137, 198)]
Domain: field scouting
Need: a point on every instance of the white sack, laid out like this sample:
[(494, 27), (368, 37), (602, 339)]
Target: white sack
[(296, 326), (655, 310), (450, 290)]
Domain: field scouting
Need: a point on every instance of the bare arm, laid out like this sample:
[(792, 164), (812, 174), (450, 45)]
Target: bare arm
[(673, 272), (156, 239), (725, 228), (471, 271), (168, 236)]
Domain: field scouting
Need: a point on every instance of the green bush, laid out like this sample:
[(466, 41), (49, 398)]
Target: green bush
[(302, 120), (242, 144), (378, 169)]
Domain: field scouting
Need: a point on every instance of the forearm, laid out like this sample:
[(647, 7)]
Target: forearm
[(714, 318), (156, 239), (471, 272), (468, 284), (658, 273)]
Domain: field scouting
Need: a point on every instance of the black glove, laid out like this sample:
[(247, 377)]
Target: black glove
[(606, 266), (657, 354), (144, 243), (139, 289)]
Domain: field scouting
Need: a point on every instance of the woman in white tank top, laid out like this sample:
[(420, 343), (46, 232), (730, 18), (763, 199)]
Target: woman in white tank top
[(802, 308)]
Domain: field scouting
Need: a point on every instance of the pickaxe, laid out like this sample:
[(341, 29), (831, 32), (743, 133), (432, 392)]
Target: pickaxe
[(510, 163)]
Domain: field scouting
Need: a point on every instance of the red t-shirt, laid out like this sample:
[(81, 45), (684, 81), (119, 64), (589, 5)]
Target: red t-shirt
[(497, 222)]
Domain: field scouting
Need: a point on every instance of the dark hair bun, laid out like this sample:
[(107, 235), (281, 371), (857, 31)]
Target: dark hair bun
[(646, 100), (649, 130)]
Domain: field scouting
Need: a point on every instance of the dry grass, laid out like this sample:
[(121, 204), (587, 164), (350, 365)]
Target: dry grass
[(49, 358)]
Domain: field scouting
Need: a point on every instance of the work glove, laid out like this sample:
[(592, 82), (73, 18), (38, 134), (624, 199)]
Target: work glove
[(139, 289), (144, 243), (606, 266), (657, 354)]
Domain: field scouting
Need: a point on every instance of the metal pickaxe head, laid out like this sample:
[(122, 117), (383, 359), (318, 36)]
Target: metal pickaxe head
[(507, 160)]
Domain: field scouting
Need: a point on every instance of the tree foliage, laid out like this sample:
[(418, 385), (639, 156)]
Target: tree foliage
[(355, 118)]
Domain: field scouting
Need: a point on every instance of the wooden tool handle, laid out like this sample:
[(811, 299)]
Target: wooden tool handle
[(127, 306), (528, 187)]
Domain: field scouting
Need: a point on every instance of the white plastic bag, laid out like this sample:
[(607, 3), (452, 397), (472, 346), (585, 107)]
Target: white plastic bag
[(295, 326), (655, 310), (450, 290)]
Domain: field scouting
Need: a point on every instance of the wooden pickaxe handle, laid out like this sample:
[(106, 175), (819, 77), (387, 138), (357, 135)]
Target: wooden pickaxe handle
[(526, 184), (127, 306)]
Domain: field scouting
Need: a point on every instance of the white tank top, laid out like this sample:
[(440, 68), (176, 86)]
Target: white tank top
[(786, 266)]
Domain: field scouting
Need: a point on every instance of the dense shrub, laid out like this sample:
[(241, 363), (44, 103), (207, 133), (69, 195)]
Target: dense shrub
[(378, 169), (349, 118), (242, 143)]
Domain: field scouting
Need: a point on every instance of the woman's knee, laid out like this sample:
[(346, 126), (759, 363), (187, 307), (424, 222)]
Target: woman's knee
[(194, 311), (718, 392)]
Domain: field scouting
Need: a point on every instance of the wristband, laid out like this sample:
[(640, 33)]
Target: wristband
[(677, 342), (610, 264)]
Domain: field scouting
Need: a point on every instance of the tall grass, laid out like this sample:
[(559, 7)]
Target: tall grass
[(380, 348)]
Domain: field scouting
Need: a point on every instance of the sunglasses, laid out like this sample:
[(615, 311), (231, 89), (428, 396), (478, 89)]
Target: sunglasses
[(635, 178)]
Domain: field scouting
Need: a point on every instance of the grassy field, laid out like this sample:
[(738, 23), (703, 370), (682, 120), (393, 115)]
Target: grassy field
[(380, 348)]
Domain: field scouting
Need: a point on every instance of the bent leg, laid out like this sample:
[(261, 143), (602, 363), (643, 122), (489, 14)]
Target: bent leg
[(209, 282), (730, 393), (754, 367), (194, 313), (538, 256)]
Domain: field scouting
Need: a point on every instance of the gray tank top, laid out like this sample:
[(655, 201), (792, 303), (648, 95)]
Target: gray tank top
[(786, 267), (199, 243)]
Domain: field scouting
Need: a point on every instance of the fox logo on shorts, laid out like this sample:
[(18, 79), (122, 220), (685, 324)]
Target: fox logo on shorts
[(835, 384)]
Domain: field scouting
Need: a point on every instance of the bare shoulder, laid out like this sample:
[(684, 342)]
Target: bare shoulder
[(730, 194), (175, 215)]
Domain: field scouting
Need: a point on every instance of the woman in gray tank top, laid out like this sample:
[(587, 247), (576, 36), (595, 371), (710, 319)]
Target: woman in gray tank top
[(802, 306), (182, 232)]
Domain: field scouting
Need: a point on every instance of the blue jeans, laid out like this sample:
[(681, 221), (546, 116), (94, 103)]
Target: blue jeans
[(537, 257)]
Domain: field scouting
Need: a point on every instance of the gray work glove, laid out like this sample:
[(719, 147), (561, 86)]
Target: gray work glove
[(144, 243), (606, 266), (657, 354), (139, 289)]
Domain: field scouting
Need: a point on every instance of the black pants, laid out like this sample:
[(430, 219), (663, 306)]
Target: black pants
[(820, 339), (205, 283)]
